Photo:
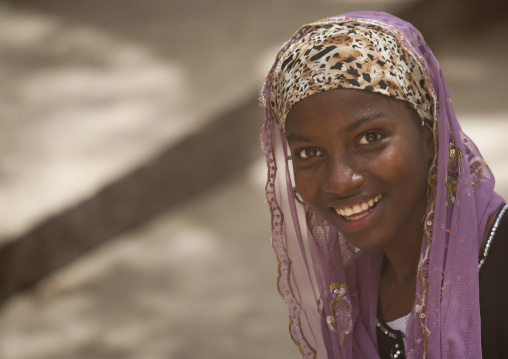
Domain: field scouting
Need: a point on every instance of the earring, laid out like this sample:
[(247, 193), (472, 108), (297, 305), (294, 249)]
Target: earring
[(298, 198)]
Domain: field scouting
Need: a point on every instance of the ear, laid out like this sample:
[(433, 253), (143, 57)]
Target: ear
[(429, 145)]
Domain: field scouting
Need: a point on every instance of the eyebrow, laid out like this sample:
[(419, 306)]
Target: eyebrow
[(366, 118), (297, 138), (348, 128)]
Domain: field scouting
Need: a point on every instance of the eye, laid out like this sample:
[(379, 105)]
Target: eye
[(308, 153), (370, 138)]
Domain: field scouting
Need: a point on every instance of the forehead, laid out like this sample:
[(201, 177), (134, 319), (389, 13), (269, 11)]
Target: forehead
[(343, 106)]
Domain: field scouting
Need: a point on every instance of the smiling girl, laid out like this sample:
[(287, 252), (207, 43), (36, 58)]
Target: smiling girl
[(388, 233)]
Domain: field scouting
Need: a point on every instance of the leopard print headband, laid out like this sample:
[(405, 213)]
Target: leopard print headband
[(353, 56)]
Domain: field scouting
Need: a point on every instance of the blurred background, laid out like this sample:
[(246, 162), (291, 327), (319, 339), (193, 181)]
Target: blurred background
[(133, 221)]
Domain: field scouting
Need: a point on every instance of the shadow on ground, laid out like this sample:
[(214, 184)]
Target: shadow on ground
[(221, 150)]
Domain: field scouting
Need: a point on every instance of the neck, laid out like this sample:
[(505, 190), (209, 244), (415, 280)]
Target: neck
[(401, 259), (402, 268), (398, 278)]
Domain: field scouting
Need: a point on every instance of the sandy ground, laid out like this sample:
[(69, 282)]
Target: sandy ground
[(197, 281)]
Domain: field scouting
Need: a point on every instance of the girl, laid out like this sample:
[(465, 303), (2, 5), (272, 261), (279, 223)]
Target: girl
[(388, 233)]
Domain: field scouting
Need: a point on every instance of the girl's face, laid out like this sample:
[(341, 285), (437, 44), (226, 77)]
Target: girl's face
[(361, 160)]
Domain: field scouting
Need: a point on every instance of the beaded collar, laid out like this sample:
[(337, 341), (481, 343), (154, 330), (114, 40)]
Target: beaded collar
[(493, 229), (396, 340)]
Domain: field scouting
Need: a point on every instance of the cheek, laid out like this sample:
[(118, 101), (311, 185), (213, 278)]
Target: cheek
[(307, 184), (403, 166), (415, 174)]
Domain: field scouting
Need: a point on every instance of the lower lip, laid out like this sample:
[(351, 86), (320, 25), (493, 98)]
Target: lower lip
[(362, 223)]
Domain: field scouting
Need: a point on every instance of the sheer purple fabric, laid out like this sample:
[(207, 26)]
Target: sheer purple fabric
[(331, 288)]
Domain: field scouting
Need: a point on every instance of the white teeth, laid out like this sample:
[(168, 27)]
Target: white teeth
[(359, 207)]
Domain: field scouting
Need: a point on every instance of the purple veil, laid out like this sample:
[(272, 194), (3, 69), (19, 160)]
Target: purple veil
[(331, 288)]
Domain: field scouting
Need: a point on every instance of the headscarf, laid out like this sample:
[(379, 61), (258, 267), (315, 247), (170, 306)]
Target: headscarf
[(330, 287), (350, 55)]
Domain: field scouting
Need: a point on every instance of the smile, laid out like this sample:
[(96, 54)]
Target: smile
[(359, 210)]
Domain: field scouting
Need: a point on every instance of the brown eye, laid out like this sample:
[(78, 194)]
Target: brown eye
[(370, 138), (307, 153)]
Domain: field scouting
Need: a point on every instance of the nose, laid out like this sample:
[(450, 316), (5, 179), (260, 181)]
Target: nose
[(343, 177)]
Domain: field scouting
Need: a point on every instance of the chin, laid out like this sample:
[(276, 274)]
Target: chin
[(364, 245)]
